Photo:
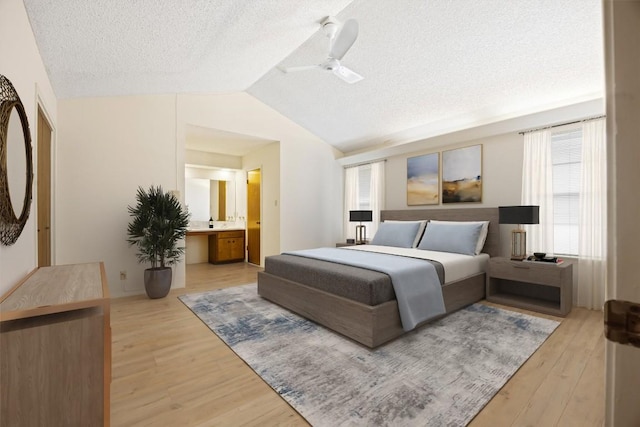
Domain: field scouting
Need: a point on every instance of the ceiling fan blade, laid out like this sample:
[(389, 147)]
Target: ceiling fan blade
[(347, 75), (345, 39), (300, 68)]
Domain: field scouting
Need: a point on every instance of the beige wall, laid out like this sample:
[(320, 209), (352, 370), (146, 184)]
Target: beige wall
[(20, 62), (501, 173), (107, 148)]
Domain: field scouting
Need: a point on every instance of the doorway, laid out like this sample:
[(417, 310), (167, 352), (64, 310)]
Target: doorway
[(44, 132), (253, 216)]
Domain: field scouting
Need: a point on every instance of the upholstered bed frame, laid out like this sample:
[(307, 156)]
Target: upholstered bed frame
[(375, 325)]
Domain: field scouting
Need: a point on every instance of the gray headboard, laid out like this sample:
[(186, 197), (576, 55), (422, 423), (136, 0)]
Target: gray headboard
[(492, 244)]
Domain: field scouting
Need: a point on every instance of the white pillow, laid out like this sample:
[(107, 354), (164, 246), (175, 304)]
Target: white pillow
[(423, 224), (466, 237)]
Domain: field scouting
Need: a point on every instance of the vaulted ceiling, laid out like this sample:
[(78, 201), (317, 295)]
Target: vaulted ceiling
[(424, 62)]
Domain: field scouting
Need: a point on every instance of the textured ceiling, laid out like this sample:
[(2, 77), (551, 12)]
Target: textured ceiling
[(424, 63), (120, 47)]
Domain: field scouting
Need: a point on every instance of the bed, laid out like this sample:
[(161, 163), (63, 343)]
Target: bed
[(357, 302)]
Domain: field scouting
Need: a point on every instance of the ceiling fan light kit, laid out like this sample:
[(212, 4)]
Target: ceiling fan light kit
[(341, 38)]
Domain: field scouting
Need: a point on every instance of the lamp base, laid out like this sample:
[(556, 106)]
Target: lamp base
[(518, 244), (361, 234)]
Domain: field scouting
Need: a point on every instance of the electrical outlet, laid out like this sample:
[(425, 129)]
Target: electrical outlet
[(123, 275)]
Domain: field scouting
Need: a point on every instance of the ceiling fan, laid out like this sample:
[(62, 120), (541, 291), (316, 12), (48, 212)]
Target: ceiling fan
[(341, 38)]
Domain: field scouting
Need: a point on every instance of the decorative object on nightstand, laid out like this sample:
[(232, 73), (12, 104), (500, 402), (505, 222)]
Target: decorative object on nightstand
[(361, 230), (518, 215)]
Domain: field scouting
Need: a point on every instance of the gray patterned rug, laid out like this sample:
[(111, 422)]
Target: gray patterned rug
[(443, 374)]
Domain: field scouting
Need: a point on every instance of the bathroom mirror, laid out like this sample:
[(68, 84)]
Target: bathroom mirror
[(223, 199), (210, 193), (16, 164)]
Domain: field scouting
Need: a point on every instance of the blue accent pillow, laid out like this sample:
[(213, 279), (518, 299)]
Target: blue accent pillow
[(398, 234), (461, 238)]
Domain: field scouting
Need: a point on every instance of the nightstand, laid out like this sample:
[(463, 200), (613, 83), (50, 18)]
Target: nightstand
[(538, 286)]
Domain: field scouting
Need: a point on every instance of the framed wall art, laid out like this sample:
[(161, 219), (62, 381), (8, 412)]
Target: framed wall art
[(462, 175), (423, 180)]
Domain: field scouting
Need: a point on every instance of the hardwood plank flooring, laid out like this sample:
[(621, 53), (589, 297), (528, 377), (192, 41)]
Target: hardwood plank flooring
[(169, 369)]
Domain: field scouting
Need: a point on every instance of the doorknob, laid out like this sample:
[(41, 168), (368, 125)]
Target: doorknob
[(622, 322), (258, 222)]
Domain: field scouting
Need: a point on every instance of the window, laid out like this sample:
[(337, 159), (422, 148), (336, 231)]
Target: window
[(566, 161), (364, 187), (364, 190)]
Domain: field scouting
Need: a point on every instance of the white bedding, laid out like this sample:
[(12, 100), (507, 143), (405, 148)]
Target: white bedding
[(456, 266)]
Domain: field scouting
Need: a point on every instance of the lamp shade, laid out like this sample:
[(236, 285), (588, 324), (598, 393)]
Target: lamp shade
[(360, 216), (519, 214)]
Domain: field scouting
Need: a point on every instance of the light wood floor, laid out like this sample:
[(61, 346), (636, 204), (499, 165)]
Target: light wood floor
[(169, 369)]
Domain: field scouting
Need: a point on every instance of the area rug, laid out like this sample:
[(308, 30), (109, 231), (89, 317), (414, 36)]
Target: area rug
[(443, 374)]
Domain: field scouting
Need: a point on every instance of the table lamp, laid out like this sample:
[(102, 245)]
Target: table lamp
[(519, 215), (361, 230)]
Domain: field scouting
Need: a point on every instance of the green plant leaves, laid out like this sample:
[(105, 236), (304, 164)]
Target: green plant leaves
[(158, 223)]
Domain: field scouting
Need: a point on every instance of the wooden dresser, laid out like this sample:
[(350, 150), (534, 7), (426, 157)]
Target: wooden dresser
[(55, 348)]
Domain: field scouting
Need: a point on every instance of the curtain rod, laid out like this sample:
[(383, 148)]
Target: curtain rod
[(364, 163), (563, 124)]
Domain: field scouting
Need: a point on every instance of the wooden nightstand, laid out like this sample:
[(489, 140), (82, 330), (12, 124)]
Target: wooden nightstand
[(538, 286)]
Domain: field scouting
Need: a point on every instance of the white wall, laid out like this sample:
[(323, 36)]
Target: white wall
[(311, 186), (194, 157), (107, 148), (21, 63)]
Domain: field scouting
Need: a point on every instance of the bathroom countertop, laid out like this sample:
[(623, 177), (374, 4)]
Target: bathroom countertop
[(205, 231)]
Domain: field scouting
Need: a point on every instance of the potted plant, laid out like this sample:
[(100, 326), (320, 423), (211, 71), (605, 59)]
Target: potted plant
[(159, 223)]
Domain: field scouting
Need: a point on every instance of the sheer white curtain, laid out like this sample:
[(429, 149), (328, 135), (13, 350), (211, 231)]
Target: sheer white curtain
[(377, 201), (592, 249), (354, 199), (537, 189), (351, 192)]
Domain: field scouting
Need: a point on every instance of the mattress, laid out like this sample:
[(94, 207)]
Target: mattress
[(456, 266), (367, 286)]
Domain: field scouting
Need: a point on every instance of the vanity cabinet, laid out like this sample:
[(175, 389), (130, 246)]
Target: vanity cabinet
[(55, 348), (226, 246)]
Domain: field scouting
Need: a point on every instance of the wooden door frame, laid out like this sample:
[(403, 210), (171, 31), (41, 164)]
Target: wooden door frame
[(258, 168), (622, 65), (41, 107)]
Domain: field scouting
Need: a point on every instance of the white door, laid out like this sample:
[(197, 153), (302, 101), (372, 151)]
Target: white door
[(622, 62)]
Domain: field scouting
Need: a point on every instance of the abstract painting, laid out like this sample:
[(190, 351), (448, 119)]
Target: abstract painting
[(423, 180), (462, 175)]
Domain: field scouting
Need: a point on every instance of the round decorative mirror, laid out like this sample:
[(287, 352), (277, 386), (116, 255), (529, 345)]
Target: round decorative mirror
[(16, 164)]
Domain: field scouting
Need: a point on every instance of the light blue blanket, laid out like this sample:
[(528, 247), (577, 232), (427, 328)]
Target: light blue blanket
[(415, 282)]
